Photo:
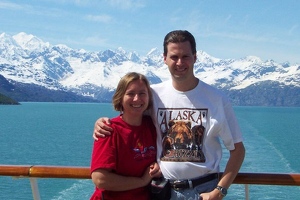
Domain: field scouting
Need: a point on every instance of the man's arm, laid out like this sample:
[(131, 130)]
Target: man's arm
[(102, 128), (233, 166)]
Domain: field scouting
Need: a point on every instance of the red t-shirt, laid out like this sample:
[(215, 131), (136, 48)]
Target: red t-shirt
[(128, 152)]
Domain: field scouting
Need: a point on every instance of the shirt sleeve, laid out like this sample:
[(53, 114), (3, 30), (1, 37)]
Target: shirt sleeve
[(104, 153)]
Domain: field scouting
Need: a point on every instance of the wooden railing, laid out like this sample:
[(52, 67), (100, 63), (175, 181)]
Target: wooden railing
[(40, 171)]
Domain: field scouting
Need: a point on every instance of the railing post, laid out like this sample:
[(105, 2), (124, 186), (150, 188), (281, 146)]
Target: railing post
[(246, 192), (35, 189)]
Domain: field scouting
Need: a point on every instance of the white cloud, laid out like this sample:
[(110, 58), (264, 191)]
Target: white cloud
[(292, 29), (10, 6), (96, 42), (228, 18), (126, 4), (99, 18)]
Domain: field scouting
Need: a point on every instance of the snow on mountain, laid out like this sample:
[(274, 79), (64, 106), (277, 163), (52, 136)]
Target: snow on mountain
[(30, 42), (27, 59)]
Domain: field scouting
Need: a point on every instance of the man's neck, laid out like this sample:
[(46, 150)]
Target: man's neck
[(184, 86)]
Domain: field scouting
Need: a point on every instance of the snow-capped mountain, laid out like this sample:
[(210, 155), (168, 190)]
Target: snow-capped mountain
[(25, 58)]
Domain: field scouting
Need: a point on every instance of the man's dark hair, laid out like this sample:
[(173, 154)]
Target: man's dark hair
[(179, 36)]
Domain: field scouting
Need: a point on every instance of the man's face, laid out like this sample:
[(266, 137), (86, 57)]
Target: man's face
[(180, 60)]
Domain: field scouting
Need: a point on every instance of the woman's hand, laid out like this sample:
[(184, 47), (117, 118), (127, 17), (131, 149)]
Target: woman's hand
[(155, 170)]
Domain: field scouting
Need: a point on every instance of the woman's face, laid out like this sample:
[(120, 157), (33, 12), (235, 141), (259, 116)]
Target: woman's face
[(136, 98)]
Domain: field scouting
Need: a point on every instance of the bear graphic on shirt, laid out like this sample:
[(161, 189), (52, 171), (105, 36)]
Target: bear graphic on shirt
[(183, 143)]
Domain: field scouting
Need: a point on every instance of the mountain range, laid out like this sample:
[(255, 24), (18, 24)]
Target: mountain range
[(34, 70)]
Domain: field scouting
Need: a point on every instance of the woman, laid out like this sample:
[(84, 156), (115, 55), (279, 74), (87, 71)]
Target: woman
[(123, 165)]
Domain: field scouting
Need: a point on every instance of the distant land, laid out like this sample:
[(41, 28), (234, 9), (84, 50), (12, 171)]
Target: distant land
[(24, 92), (4, 100), (36, 71)]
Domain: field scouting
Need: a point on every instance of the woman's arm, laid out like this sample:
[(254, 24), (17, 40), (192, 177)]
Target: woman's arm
[(108, 180)]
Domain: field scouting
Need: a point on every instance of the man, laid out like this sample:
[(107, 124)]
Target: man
[(191, 117)]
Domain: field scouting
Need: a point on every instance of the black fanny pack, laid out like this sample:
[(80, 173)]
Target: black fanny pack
[(160, 189)]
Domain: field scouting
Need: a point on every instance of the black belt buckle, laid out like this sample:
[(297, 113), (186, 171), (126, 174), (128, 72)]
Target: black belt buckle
[(179, 184), (191, 183)]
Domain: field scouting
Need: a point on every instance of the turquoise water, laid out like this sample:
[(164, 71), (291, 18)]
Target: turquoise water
[(60, 134)]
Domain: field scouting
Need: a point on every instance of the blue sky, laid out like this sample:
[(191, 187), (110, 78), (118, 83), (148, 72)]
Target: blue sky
[(269, 29)]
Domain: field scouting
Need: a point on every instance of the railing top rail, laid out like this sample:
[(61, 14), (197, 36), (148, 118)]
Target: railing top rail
[(44, 171), (268, 179), (80, 172)]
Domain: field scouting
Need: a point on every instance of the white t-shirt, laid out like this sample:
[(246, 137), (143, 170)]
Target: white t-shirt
[(189, 126)]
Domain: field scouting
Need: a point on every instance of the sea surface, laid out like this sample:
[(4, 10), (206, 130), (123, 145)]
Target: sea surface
[(61, 134)]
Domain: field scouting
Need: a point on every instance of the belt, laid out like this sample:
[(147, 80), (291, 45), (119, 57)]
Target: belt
[(191, 183)]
